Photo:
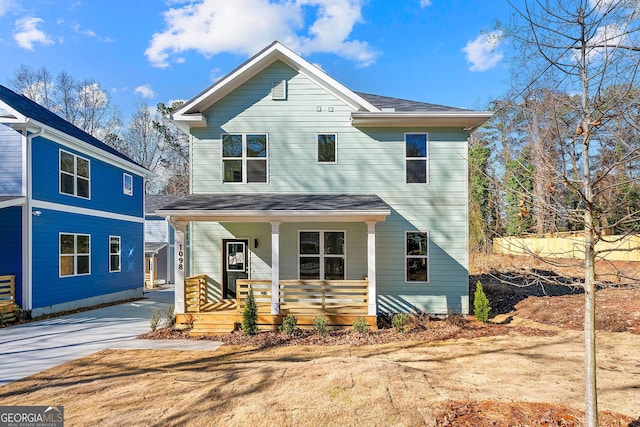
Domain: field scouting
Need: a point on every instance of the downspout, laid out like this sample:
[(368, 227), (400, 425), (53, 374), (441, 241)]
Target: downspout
[(27, 215)]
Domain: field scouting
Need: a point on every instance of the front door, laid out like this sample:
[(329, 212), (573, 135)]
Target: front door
[(235, 265)]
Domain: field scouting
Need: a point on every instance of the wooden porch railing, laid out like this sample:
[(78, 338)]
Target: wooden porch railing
[(195, 293), (309, 297), (7, 296)]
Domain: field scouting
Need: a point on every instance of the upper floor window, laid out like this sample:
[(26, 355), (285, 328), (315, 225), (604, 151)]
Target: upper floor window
[(114, 253), (321, 255), (127, 184), (416, 256), (327, 148), (244, 158), (75, 254), (417, 157), (74, 175)]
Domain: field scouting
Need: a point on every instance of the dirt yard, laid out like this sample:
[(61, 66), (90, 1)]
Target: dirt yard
[(453, 372)]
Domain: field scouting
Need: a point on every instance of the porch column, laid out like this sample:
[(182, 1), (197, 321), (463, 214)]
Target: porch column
[(371, 264), (180, 265), (275, 268)]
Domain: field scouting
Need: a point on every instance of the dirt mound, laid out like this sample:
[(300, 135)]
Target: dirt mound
[(492, 413)]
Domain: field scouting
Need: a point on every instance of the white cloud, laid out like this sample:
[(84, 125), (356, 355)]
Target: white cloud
[(425, 3), (145, 91), (482, 52), (86, 32), (6, 6), (210, 27), (26, 33)]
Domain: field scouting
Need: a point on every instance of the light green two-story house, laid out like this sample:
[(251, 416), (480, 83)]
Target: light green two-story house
[(323, 200)]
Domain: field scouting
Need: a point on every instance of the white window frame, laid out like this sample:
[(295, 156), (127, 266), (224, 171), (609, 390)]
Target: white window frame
[(335, 134), (407, 256), (321, 255), (75, 255), (118, 254), (426, 158), (127, 189), (245, 159), (75, 175)]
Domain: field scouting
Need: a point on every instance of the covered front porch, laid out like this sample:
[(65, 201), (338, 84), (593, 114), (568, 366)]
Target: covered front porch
[(300, 284), (340, 301)]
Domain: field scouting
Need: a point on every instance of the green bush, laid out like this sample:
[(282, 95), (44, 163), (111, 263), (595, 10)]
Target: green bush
[(17, 312), (289, 325), (481, 306), (250, 315), (321, 325), (399, 322), (360, 325), (171, 317), (155, 319)]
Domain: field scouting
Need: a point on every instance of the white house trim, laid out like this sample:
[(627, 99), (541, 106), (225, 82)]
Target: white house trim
[(84, 211)]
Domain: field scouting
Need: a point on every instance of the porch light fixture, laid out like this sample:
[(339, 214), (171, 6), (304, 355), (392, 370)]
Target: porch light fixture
[(36, 213), (255, 243)]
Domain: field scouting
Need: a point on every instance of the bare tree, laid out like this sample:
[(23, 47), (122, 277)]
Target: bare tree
[(588, 52), (83, 103)]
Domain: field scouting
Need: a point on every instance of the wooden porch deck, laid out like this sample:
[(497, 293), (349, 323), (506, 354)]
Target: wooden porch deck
[(340, 301), (7, 297)]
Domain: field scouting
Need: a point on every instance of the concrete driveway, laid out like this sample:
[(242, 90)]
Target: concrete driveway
[(33, 347)]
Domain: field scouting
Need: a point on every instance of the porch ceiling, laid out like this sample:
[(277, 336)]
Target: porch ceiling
[(223, 207)]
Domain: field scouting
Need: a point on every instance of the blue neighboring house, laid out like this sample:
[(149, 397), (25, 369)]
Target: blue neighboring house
[(71, 212)]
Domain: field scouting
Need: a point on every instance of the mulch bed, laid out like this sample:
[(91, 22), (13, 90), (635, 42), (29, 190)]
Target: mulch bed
[(491, 413), (420, 328)]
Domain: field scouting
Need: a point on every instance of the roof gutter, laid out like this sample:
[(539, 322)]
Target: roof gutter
[(467, 120)]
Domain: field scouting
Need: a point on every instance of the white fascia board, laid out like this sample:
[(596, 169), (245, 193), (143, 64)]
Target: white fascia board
[(466, 120), (9, 114), (256, 64), (18, 201), (85, 147), (280, 216)]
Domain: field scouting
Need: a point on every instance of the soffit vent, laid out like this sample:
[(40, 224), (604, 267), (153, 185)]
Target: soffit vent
[(279, 91)]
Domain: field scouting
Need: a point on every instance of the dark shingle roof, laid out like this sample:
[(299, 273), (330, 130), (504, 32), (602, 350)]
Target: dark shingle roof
[(35, 111), (153, 202), (277, 202), (405, 105)]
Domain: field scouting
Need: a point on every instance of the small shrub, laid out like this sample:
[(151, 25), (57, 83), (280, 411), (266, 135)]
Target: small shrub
[(155, 319), (17, 312), (250, 315), (360, 325), (321, 325), (171, 317), (399, 322), (289, 325), (3, 318), (481, 306)]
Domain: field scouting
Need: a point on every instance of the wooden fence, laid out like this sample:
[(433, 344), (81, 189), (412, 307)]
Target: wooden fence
[(7, 297), (569, 245)]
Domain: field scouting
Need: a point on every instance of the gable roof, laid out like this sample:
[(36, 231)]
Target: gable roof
[(16, 108), (369, 110), (153, 202)]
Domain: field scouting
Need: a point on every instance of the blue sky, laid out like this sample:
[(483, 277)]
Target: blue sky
[(162, 50)]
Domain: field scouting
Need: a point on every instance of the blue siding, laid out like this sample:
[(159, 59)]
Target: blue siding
[(11, 256), (11, 161), (49, 288), (106, 182)]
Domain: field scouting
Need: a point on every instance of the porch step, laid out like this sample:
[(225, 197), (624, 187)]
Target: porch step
[(211, 328)]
